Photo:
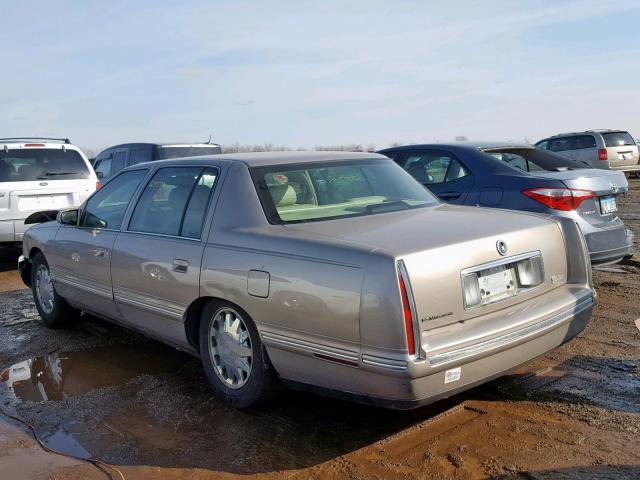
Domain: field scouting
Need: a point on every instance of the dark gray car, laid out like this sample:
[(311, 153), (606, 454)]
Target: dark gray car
[(114, 159), (521, 177)]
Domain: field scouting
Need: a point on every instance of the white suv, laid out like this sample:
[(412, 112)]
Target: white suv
[(40, 174), (609, 149)]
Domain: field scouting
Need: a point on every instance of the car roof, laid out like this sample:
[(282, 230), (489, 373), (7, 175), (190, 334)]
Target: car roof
[(14, 145), (162, 144), (262, 159), (595, 130), (460, 145)]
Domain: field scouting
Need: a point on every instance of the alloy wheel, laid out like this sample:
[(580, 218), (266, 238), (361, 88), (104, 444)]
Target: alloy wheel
[(230, 348), (44, 289)]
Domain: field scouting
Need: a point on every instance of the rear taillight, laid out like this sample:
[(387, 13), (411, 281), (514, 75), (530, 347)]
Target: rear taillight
[(34, 144), (98, 185), (559, 198), (408, 316), (602, 154)]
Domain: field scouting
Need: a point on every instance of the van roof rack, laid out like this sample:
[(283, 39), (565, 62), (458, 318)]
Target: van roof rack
[(63, 140)]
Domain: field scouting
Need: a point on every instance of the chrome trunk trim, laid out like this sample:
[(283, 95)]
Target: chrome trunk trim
[(508, 339)]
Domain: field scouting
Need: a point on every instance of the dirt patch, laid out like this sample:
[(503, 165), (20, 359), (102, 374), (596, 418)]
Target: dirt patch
[(9, 277), (99, 390)]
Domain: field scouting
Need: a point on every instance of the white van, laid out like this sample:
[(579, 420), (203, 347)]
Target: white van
[(40, 174)]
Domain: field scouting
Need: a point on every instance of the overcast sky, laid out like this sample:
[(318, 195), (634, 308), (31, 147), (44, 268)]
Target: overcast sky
[(304, 73)]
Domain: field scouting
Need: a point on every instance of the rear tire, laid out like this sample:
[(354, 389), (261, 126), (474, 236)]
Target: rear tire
[(53, 309), (234, 359)]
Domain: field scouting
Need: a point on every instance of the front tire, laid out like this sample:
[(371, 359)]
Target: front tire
[(234, 359), (53, 309)]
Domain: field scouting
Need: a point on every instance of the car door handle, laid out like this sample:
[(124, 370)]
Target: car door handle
[(180, 266), (449, 195)]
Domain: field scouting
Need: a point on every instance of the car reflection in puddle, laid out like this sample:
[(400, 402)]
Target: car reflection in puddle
[(58, 375)]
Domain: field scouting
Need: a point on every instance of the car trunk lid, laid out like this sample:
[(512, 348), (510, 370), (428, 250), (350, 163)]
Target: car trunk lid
[(436, 244)]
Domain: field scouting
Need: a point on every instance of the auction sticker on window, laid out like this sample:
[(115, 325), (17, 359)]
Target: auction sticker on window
[(452, 375)]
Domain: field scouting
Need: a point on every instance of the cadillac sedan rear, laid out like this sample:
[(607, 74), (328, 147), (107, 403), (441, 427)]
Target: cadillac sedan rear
[(450, 296)]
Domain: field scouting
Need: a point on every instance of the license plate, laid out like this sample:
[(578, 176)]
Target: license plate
[(43, 202), (496, 283), (624, 156), (608, 205)]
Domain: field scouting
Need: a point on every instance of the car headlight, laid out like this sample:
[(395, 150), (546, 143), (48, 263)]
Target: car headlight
[(530, 272)]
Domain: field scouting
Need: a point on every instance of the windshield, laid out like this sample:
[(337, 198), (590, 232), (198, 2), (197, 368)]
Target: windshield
[(322, 191), (617, 139), (31, 164), (187, 151), (532, 160)]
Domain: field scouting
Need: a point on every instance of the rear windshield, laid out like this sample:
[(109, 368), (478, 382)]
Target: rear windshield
[(30, 164), (618, 139), (187, 151), (322, 191), (532, 159)]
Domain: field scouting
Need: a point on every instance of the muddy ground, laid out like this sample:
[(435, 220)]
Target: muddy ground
[(100, 391)]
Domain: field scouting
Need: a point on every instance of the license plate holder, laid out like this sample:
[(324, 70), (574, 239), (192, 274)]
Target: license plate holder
[(608, 205), (497, 283)]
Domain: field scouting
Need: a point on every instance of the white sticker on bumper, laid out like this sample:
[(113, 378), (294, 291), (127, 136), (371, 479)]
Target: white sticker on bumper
[(452, 375)]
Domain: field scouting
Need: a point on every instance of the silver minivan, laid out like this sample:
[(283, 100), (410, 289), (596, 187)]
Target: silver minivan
[(39, 174), (608, 149)]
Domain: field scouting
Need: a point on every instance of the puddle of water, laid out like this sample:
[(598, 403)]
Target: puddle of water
[(59, 375), (63, 441)]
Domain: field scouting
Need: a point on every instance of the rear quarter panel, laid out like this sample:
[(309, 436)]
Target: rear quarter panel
[(302, 293)]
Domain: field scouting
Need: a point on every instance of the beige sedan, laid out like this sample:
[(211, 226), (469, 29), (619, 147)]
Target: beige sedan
[(333, 272)]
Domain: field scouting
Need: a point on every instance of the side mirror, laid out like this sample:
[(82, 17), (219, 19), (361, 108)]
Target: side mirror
[(99, 175), (68, 217)]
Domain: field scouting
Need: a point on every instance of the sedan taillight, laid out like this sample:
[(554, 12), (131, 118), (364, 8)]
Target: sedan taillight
[(559, 198), (408, 316)]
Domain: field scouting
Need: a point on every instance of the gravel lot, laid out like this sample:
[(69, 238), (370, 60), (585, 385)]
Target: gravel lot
[(98, 390)]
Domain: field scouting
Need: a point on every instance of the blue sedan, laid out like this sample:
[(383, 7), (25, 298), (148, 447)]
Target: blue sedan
[(521, 177)]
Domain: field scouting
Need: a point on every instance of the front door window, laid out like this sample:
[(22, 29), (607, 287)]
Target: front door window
[(106, 208)]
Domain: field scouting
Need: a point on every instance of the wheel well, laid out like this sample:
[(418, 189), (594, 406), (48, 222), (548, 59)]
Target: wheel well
[(192, 320), (33, 252)]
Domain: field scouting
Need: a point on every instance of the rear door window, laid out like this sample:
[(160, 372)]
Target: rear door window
[(119, 159), (584, 141), (32, 164), (174, 202), (618, 139), (139, 156), (434, 167), (560, 144), (106, 208)]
